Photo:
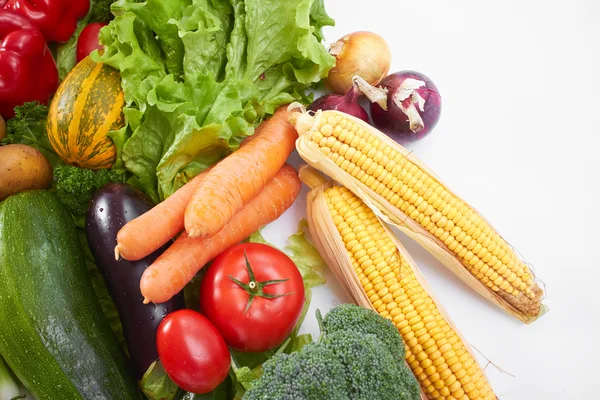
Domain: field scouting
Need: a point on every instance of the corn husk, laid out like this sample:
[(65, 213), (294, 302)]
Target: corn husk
[(330, 245), (309, 151)]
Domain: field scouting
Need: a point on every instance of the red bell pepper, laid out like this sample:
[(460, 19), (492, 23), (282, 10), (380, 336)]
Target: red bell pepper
[(27, 69), (56, 19)]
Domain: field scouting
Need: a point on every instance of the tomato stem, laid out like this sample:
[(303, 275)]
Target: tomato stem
[(254, 288)]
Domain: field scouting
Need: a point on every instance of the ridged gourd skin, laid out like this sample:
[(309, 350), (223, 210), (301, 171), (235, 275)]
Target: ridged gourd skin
[(54, 335), (87, 106), (435, 352), (361, 156)]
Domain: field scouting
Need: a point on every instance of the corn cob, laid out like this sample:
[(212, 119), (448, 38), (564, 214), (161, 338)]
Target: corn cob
[(405, 193), (377, 272)]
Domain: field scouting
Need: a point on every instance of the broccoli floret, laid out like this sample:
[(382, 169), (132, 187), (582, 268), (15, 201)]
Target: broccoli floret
[(371, 371), (245, 377), (350, 317), (311, 374), (76, 186)]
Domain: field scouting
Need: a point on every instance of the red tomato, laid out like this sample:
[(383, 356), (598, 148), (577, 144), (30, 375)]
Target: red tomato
[(192, 351), (269, 319), (88, 40)]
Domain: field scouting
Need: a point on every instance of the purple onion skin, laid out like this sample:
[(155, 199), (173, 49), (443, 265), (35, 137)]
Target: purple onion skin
[(394, 121), (347, 104)]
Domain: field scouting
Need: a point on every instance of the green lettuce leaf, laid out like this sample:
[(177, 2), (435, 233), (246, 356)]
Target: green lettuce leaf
[(157, 385), (200, 75), (302, 252), (66, 53), (306, 257)]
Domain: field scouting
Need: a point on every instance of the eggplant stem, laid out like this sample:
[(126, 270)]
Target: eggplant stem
[(377, 95)]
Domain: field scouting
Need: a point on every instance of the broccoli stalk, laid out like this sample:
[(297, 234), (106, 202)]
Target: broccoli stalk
[(76, 186)]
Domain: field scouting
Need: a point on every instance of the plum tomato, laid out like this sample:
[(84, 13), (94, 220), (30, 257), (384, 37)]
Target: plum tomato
[(88, 40), (192, 351)]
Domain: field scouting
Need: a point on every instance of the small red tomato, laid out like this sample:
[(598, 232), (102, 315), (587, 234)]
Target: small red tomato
[(88, 40), (254, 295), (192, 351)]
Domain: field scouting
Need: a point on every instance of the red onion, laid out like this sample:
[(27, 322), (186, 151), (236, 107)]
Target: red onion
[(406, 105), (347, 103)]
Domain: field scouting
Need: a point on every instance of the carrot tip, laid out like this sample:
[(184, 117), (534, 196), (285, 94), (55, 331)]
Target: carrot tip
[(117, 253), (146, 301)]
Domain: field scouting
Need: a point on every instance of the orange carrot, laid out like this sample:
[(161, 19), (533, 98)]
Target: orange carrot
[(148, 232), (168, 275), (239, 177)]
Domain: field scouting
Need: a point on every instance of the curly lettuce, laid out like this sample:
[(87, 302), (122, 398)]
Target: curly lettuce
[(200, 75)]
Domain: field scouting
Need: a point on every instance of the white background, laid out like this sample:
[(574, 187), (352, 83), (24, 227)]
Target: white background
[(518, 139)]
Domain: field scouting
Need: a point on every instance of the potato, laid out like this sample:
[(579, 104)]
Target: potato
[(21, 168)]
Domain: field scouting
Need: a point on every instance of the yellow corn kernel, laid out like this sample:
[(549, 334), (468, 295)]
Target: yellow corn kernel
[(434, 350), (423, 199)]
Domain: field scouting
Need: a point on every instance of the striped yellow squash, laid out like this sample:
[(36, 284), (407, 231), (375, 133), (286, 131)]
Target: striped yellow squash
[(88, 104)]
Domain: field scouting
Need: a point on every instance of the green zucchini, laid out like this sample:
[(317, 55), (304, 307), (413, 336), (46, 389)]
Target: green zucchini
[(53, 334)]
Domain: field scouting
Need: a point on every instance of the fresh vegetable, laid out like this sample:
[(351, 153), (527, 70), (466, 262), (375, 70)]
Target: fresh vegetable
[(66, 53), (28, 126), (88, 40), (371, 371), (163, 222), (363, 320), (406, 105), (56, 19), (112, 207), (8, 387), (100, 11), (27, 69), (361, 53), (348, 362), (192, 351), (2, 128), (87, 106), (157, 385), (236, 180), (403, 191), (75, 186), (199, 75), (311, 374), (416, 327), (177, 266), (58, 342), (22, 168), (148, 232), (347, 103), (252, 288)]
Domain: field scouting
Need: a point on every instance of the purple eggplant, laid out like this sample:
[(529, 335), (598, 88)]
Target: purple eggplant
[(112, 207)]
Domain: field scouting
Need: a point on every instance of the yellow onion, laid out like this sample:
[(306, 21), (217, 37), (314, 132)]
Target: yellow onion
[(361, 53)]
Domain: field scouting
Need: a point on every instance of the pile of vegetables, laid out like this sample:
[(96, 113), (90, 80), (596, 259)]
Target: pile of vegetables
[(405, 105), (135, 177), (206, 69), (114, 122)]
